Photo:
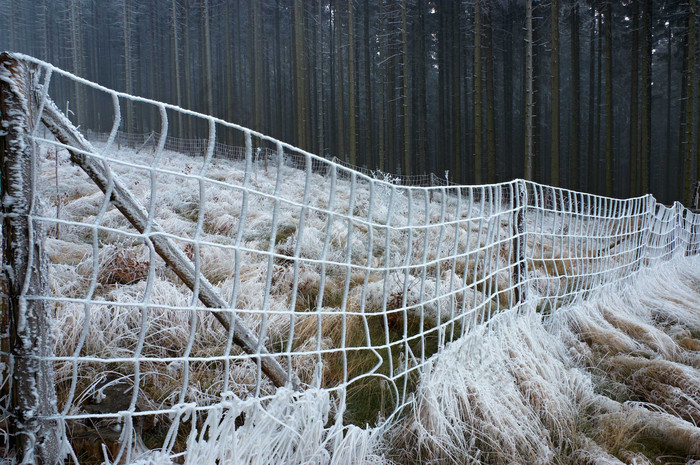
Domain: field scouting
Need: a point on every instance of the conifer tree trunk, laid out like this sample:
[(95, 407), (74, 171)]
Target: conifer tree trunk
[(128, 72), (340, 85), (188, 68), (690, 124), (599, 106), (646, 96), (478, 97), (634, 99), (555, 94), (369, 146), (575, 99), (421, 90), (529, 94), (352, 134), (206, 48), (406, 104), (299, 76), (176, 60), (319, 82), (591, 165), (490, 99), (456, 130), (608, 101)]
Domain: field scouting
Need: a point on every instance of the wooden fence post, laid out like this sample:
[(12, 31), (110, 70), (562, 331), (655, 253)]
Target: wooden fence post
[(519, 242), (27, 335)]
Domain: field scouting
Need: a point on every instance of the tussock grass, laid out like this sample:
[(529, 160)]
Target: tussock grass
[(613, 379), (602, 381)]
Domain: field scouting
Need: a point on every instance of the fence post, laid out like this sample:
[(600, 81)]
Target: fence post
[(27, 339), (519, 242), (696, 202)]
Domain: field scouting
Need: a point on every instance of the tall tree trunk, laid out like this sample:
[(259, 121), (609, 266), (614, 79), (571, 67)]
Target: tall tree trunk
[(575, 168), (608, 101), (696, 79), (634, 102), (279, 113), (340, 85), (478, 97), (646, 96), (592, 162), (599, 106), (299, 75), (369, 146), (555, 94), (352, 132), (444, 161), (256, 59), (206, 48), (690, 125), (381, 108), (669, 72), (188, 69), (421, 89), (492, 160), (509, 151), (128, 71), (13, 24), (319, 82), (176, 61), (456, 34), (406, 104), (529, 94)]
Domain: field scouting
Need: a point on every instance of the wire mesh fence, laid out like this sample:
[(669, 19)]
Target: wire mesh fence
[(178, 284)]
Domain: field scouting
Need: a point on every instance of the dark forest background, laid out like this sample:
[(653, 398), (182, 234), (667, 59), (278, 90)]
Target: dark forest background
[(407, 86)]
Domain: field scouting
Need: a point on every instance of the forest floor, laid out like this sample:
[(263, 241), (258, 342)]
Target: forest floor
[(612, 379)]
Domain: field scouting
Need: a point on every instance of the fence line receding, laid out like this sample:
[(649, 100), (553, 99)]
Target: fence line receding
[(180, 274)]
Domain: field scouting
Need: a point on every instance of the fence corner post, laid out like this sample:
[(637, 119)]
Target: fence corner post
[(27, 340), (519, 242)]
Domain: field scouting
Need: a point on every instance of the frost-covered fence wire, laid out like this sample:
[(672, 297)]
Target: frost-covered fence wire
[(198, 147), (179, 284)]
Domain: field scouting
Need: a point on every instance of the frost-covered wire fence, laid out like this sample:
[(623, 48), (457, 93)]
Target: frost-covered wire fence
[(196, 298), (198, 147)]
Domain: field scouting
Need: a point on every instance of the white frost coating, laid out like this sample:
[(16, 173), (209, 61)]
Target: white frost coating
[(288, 428), (521, 389), (353, 282)]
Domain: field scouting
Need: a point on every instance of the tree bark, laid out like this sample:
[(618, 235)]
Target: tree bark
[(688, 168), (592, 163), (608, 101), (405, 98), (575, 99), (634, 102), (478, 95), (554, 167), (340, 84), (369, 117), (208, 77), (646, 96), (491, 154), (352, 117), (176, 60), (26, 328), (529, 94)]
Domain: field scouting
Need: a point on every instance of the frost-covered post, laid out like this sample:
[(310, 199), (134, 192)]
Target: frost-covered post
[(519, 203), (26, 329)]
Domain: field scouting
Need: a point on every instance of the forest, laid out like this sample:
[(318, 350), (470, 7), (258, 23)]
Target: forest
[(599, 96)]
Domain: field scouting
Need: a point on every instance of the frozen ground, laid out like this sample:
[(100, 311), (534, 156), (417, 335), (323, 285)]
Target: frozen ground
[(347, 278)]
